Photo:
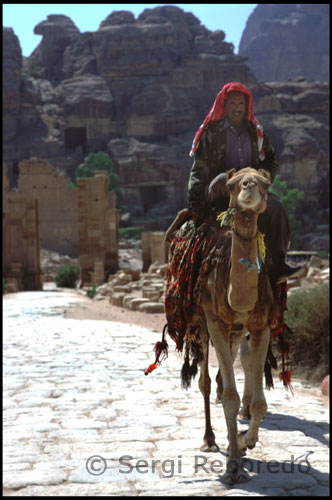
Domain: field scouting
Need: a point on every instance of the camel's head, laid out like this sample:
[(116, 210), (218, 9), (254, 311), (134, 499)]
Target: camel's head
[(248, 188)]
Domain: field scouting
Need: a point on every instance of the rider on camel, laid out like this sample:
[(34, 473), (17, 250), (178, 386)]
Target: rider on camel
[(231, 137)]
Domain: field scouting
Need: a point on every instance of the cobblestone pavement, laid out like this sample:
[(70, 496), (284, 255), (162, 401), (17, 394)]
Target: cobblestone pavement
[(80, 417)]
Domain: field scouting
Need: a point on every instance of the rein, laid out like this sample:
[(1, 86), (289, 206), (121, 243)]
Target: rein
[(244, 239)]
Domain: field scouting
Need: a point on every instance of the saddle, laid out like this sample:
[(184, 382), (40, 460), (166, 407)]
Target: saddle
[(193, 250)]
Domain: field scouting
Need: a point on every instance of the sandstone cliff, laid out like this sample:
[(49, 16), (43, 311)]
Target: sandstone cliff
[(139, 89), (285, 41)]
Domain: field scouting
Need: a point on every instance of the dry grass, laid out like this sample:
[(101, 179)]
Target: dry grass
[(308, 316)]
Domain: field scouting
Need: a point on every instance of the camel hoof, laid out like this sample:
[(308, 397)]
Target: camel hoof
[(206, 448), (235, 473), (241, 443)]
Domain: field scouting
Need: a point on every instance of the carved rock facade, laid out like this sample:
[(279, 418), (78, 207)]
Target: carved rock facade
[(139, 89)]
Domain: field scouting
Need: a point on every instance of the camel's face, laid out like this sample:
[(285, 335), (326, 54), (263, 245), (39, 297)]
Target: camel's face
[(249, 195), (248, 188)]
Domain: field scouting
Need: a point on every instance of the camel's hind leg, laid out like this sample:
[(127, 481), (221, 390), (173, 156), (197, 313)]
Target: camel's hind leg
[(259, 341), (204, 383)]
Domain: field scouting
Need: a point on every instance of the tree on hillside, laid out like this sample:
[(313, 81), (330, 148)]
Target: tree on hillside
[(100, 161)]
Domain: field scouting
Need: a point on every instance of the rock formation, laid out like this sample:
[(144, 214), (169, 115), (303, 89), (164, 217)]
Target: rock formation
[(285, 41), (138, 89)]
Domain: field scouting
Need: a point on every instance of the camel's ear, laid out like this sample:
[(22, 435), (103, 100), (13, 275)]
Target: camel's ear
[(265, 173), (230, 174), (264, 177)]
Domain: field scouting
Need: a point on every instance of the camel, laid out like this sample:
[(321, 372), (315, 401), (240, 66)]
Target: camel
[(231, 306), (234, 297)]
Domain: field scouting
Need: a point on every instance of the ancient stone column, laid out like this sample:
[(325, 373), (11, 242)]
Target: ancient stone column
[(21, 247), (98, 230)]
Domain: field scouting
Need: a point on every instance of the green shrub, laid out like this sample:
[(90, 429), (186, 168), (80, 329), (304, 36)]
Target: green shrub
[(71, 184), (67, 276), (4, 286), (92, 292), (308, 316), (133, 232), (101, 161)]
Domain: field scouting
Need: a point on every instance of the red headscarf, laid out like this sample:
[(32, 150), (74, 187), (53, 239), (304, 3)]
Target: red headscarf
[(217, 112)]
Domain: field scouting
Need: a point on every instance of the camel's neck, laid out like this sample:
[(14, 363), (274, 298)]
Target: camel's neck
[(242, 292)]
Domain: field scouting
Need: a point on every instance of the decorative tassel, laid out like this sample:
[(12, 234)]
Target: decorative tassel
[(270, 363), (161, 349), (273, 361), (188, 371), (185, 374), (261, 246), (193, 368), (286, 377), (150, 368), (227, 218), (268, 375)]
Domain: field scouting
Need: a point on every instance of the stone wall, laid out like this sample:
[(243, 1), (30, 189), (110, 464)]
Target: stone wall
[(98, 230), (58, 213), (21, 249)]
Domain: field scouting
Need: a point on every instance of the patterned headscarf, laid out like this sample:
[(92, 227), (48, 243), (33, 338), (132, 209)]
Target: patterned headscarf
[(217, 112)]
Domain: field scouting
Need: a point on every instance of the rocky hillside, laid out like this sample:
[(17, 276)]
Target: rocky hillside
[(285, 41), (139, 89)]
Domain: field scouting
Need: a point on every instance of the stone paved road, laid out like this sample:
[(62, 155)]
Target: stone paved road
[(80, 417)]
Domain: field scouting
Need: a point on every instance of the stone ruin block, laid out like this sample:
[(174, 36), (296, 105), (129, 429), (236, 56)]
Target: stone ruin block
[(21, 245), (98, 225), (153, 248)]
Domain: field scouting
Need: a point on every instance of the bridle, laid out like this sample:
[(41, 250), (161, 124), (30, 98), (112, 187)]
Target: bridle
[(228, 219)]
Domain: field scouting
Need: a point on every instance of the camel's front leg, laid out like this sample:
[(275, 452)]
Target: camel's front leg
[(259, 341), (204, 384), (246, 365), (235, 339), (220, 334)]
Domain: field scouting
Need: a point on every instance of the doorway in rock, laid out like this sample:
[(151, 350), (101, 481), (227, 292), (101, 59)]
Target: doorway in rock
[(74, 137), (152, 195)]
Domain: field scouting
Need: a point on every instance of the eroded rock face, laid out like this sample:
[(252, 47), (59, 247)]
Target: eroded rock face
[(294, 114), (284, 41), (139, 89), (11, 79), (58, 32)]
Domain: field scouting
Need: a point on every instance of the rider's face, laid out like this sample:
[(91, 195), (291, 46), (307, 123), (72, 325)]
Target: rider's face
[(235, 107)]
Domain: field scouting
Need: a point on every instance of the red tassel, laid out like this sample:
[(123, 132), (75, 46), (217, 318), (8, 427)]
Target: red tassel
[(286, 377), (150, 368)]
